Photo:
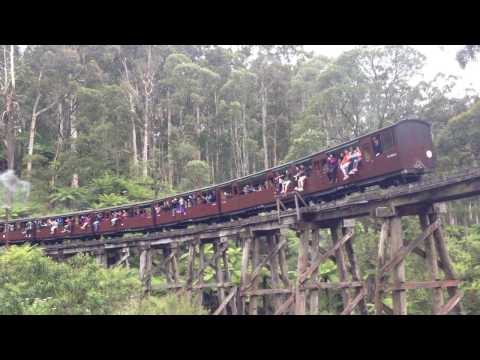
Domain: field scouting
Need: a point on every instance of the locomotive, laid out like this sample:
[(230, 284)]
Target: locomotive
[(394, 155)]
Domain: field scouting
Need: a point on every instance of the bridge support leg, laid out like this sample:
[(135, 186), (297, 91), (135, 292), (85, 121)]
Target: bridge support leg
[(101, 257), (253, 305), (337, 234), (274, 271), (432, 264), (314, 252), (247, 242), (302, 265), (442, 251), (146, 267), (396, 242), (219, 249)]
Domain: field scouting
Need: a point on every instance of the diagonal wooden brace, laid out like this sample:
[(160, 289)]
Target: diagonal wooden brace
[(405, 250), (257, 270), (454, 300), (323, 257), (226, 301), (284, 307), (210, 262), (348, 310)]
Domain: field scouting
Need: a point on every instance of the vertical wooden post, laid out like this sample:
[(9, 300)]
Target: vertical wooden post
[(253, 306), (233, 302), (282, 258), (432, 265), (167, 265), (384, 234), (396, 242), (190, 268), (146, 267), (101, 257), (445, 259), (302, 265), (244, 269), (337, 234), (352, 259), (275, 279), (314, 252), (219, 273), (173, 263), (201, 273)]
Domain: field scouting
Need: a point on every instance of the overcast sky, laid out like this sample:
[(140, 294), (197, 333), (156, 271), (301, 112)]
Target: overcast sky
[(439, 58)]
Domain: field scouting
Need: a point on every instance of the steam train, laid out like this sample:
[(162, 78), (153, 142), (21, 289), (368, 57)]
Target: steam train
[(404, 155)]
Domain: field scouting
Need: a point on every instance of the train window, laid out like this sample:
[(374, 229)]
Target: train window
[(377, 145), (386, 138), (366, 152)]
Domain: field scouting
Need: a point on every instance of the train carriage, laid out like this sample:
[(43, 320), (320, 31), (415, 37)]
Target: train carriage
[(396, 154)]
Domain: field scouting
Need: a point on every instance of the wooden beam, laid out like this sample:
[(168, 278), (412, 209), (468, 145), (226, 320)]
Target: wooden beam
[(244, 267), (219, 273), (323, 257), (337, 233), (258, 269), (384, 234), (221, 308), (454, 300), (302, 264), (274, 270), (396, 243), (314, 252), (359, 296), (355, 276), (282, 259), (442, 252), (262, 292), (334, 286), (253, 305), (413, 285), (432, 265), (403, 251), (284, 307)]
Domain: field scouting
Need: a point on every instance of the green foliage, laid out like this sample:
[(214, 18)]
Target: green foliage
[(31, 283), (196, 175), (171, 304), (69, 197)]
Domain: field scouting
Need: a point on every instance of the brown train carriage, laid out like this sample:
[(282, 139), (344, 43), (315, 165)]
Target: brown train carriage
[(406, 153)]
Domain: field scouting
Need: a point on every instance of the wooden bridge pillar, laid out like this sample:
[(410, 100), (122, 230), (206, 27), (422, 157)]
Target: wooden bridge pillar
[(302, 266), (391, 237), (146, 266), (101, 257), (337, 233)]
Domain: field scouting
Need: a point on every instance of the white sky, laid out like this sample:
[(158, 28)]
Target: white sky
[(439, 58)]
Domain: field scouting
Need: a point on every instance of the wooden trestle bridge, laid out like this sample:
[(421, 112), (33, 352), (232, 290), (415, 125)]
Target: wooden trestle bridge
[(264, 244)]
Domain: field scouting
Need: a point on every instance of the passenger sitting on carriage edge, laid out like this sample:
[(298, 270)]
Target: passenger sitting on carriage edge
[(345, 163), (300, 176), (96, 223), (286, 182), (278, 182), (332, 165), (357, 158), (377, 147), (53, 225)]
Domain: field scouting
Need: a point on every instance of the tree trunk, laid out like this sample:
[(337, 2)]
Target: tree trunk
[(134, 136), (263, 96), (74, 136), (169, 139), (146, 130)]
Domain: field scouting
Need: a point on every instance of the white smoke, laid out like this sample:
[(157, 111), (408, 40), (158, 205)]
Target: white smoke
[(12, 189)]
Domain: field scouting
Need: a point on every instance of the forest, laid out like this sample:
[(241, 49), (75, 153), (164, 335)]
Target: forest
[(91, 126)]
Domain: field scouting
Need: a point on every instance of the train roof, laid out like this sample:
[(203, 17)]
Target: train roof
[(229, 182)]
